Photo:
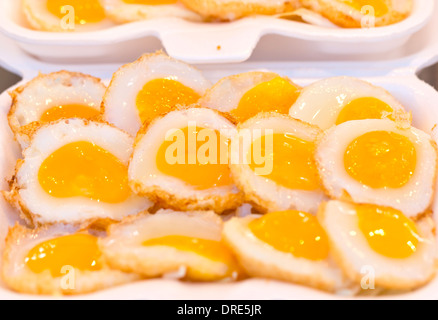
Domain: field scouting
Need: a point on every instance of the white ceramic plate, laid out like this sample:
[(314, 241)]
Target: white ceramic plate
[(414, 94), (197, 43)]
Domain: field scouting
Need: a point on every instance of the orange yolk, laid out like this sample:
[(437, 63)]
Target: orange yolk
[(202, 164), (86, 11), (160, 96), (380, 7), (388, 231), (292, 159), (276, 95), (293, 232), (213, 250), (381, 159), (69, 111), (79, 251), (365, 108), (84, 169), (150, 2)]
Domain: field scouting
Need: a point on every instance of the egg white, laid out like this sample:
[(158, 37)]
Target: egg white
[(119, 102), (146, 179), (321, 102), (37, 206), (412, 199), (18, 277)]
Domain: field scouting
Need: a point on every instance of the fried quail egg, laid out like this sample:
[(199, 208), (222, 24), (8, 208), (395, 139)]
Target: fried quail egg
[(246, 94), (185, 245), (332, 101), (379, 162), (57, 260), (286, 245), (272, 162), (181, 161), (229, 10), (54, 96), (123, 11), (379, 247), (66, 16), (149, 87), (75, 170), (357, 13)]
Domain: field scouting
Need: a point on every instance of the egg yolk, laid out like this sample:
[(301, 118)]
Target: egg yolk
[(388, 231), (211, 249), (69, 111), (277, 95), (365, 108), (295, 232), (86, 11), (160, 96), (200, 164), (380, 7), (79, 251), (292, 159), (150, 2), (84, 169), (381, 159)]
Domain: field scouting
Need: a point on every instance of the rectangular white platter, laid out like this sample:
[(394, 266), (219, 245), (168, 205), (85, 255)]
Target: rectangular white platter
[(255, 37), (414, 94)]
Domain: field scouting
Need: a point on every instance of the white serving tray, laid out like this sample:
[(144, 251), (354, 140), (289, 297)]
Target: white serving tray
[(414, 94), (396, 72), (197, 43)]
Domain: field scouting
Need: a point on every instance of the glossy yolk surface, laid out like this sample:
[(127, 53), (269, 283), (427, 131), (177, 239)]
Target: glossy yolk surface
[(365, 108), (69, 111), (213, 250), (79, 251), (381, 159), (276, 95), (293, 232), (199, 163), (86, 11), (160, 96), (84, 169), (293, 162), (150, 2), (380, 7), (388, 231)]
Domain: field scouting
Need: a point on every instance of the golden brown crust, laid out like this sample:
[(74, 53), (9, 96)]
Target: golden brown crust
[(232, 9)]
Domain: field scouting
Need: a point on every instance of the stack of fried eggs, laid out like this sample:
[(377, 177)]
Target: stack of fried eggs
[(164, 174), (81, 15)]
